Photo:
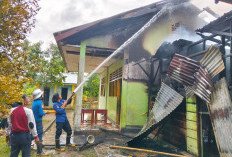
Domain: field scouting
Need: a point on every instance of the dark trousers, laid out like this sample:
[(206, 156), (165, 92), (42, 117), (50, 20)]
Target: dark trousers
[(39, 128), (65, 126), (20, 141)]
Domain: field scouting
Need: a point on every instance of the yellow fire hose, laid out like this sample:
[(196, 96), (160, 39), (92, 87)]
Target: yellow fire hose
[(50, 111)]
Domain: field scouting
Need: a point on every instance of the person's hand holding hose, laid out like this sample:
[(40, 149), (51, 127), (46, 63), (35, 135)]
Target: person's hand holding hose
[(66, 102)]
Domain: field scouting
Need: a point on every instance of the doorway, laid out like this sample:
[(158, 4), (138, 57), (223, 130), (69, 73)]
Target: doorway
[(118, 114), (64, 93), (208, 142), (115, 86), (46, 96)]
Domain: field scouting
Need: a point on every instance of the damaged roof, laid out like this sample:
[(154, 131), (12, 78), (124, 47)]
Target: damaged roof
[(226, 1), (123, 20), (220, 24)]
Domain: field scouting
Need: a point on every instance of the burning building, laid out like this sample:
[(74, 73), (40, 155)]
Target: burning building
[(132, 78)]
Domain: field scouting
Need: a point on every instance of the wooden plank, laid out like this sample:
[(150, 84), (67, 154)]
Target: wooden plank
[(191, 116), (191, 125), (191, 100), (173, 128), (191, 133), (178, 116), (147, 151), (179, 123), (191, 107), (192, 146), (174, 141)]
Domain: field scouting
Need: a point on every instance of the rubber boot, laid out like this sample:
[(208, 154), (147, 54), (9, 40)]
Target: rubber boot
[(40, 150), (68, 143), (58, 148)]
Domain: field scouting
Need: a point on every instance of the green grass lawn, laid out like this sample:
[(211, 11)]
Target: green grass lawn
[(5, 150)]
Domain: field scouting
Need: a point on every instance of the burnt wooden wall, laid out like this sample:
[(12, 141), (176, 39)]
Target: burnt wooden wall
[(174, 129)]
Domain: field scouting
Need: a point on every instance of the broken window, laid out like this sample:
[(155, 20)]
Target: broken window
[(115, 78), (176, 28)]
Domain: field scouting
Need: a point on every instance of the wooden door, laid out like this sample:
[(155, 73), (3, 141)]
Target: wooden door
[(118, 91)]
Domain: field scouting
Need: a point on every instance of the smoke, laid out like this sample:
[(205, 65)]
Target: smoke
[(182, 33)]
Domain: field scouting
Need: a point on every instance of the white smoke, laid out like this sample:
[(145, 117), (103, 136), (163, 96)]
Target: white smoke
[(182, 33)]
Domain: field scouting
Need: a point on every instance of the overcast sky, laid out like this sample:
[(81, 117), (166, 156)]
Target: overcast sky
[(57, 15)]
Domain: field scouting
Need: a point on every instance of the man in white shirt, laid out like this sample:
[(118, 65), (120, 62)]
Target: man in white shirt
[(21, 123)]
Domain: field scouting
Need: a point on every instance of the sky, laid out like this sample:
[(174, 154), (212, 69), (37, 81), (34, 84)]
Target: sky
[(57, 15)]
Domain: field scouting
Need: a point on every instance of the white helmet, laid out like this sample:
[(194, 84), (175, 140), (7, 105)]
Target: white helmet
[(37, 94)]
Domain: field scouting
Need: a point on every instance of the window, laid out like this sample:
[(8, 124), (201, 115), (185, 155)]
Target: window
[(115, 78), (64, 93), (103, 86), (176, 28)]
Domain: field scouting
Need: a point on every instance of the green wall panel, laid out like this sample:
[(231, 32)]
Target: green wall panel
[(191, 116), (137, 103), (112, 108), (102, 102), (191, 107), (191, 125)]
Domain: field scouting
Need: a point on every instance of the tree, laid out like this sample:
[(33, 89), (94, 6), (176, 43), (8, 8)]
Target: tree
[(91, 88), (17, 18), (47, 67)]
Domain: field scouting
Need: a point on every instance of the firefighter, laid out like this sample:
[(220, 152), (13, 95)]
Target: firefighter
[(61, 120)]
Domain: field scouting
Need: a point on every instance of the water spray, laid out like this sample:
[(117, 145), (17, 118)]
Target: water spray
[(126, 43), (129, 41)]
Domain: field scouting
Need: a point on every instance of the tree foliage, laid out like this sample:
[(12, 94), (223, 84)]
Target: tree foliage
[(17, 18), (48, 66), (91, 88)]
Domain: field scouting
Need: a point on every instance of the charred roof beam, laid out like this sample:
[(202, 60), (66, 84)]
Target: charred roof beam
[(222, 33), (215, 40)]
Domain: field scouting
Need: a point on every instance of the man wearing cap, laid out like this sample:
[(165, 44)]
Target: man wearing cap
[(21, 123), (37, 108)]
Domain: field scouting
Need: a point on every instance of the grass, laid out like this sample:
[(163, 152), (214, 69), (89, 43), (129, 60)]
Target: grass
[(5, 150)]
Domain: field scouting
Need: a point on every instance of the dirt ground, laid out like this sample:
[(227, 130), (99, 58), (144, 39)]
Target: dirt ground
[(101, 150)]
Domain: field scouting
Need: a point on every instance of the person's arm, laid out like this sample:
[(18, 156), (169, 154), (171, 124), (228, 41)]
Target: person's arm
[(8, 129), (58, 109), (32, 124), (67, 101), (41, 112)]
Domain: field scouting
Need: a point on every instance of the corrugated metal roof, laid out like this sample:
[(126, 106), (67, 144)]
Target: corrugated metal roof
[(166, 101), (212, 61), (188, 91), (192, 74), (220, 109), (219, 24)]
